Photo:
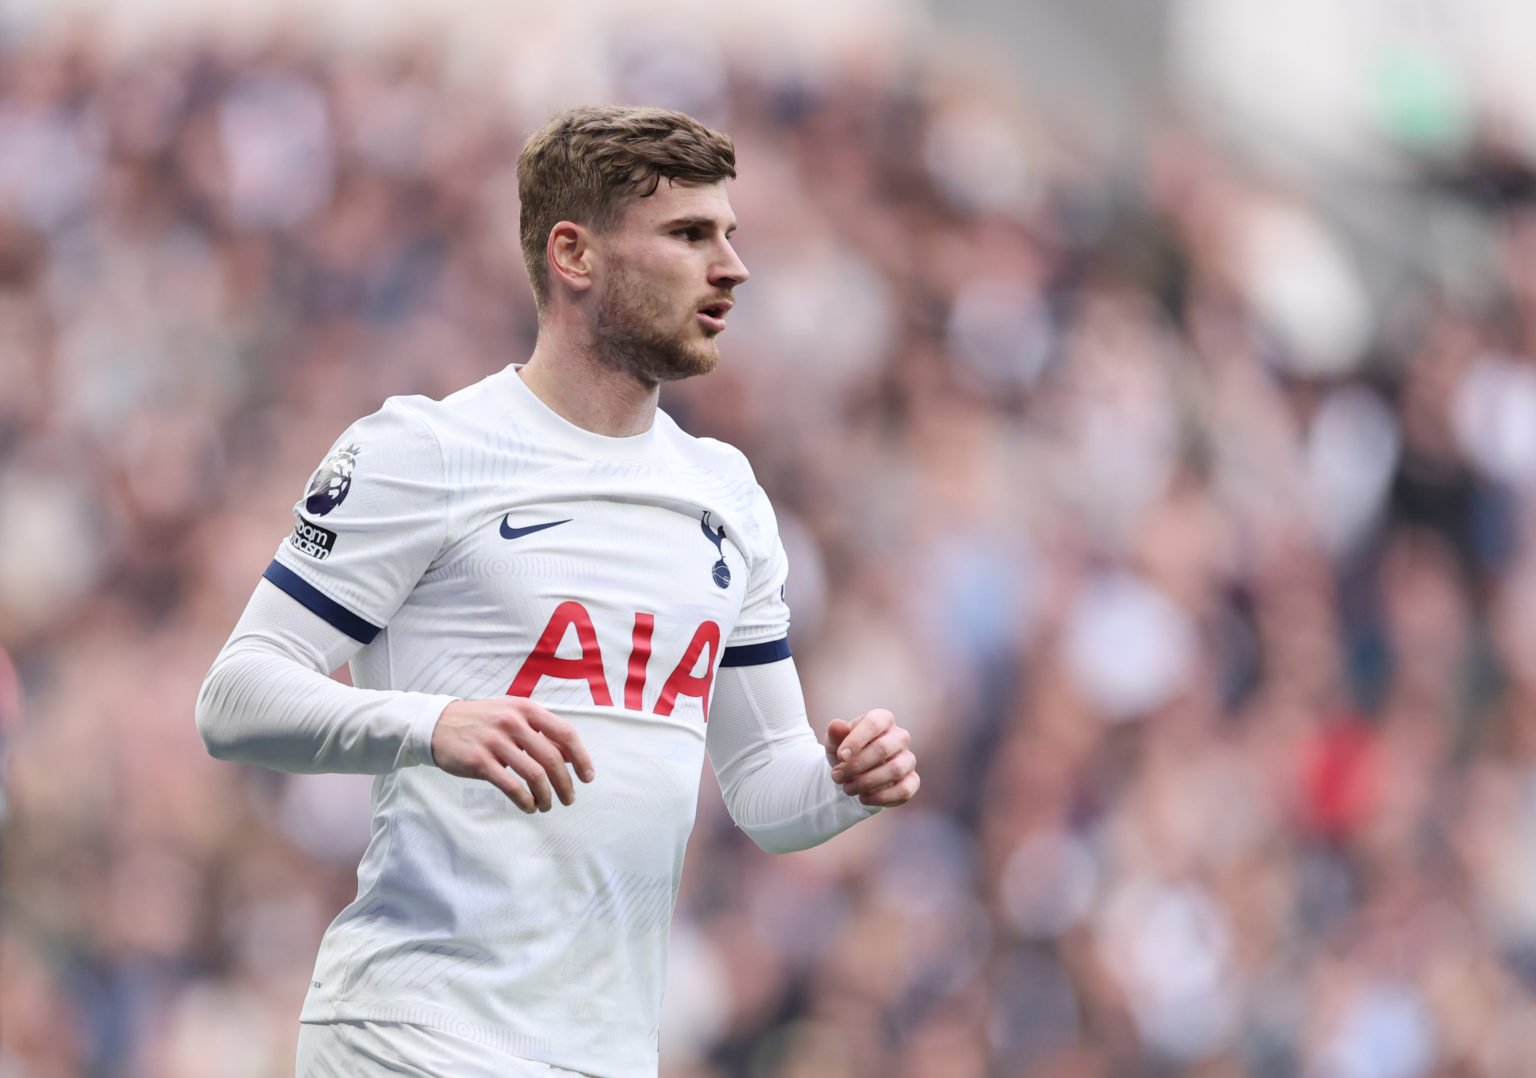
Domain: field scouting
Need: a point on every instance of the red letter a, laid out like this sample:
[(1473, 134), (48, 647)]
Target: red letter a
[(683, 682), (543, 662)]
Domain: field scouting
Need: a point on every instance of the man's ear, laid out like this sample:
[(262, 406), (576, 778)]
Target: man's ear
[(570, 256)]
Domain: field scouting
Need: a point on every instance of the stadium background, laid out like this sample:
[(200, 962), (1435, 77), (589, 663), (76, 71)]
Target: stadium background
[(1149, 395)]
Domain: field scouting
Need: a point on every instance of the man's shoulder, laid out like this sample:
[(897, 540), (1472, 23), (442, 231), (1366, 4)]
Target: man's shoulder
[(710, 454), (442, 420), (722, 476)]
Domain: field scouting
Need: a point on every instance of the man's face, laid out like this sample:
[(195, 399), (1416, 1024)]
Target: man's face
[(665, 288)]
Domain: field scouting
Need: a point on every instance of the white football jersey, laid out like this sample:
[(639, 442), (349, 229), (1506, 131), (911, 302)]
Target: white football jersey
[(483, 545)]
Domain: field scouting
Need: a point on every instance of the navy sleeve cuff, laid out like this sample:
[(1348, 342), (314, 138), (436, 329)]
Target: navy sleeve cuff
[(316, 602), (756, 654)]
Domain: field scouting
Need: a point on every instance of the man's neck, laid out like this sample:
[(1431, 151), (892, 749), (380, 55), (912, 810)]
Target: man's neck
[(580, 389)]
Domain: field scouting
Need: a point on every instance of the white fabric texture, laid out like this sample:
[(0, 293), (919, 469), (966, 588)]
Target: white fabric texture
[(357, 1049), (268, 699), (773, 772)]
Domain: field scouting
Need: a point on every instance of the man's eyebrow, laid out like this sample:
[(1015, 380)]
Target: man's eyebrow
[(698, 222)]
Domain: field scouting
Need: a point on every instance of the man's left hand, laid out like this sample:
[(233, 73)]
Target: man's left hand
[(870, 759)]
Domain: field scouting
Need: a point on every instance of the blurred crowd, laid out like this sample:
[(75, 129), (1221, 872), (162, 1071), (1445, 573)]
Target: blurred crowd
[(1199, 564)]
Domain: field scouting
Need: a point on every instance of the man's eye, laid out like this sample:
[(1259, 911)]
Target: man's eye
[(690, 234)]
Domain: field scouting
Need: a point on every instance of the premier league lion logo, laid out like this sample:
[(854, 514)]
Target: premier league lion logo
[(329, 487)]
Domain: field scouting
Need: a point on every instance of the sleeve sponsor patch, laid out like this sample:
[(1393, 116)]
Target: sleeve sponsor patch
[(312, 539)]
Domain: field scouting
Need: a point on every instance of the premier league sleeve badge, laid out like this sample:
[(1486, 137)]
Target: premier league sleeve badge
[(331, 481)]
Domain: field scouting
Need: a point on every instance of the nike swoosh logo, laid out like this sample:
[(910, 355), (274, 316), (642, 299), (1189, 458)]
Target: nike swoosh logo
[(509, 532)]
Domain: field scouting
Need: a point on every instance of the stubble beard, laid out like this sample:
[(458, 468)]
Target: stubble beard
[(629, 335)]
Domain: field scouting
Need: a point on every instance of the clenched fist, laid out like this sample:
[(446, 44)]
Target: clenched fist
[(870, 759)]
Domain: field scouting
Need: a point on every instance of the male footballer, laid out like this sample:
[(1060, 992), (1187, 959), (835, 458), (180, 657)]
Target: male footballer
[(547, 592)]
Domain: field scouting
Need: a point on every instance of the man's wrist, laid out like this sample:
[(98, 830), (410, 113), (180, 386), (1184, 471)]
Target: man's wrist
[(417, 750)]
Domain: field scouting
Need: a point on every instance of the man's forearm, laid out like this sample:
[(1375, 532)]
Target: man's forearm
[(787, 801), (268, 700), (773, 772)]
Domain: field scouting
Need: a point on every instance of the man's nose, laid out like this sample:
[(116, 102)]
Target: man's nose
[(729, 270)]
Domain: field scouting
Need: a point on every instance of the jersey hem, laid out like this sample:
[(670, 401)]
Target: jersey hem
[(496, 1039)]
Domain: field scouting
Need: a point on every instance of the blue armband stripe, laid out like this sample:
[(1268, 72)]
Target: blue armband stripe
[(316, 602), (756, 654)]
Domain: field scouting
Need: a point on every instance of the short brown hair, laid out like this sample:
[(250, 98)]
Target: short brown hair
[(585, 164)]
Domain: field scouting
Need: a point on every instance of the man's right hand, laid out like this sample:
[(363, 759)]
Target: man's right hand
[(509, 738)]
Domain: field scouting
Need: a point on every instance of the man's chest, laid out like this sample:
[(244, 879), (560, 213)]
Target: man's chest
[(618, 597)]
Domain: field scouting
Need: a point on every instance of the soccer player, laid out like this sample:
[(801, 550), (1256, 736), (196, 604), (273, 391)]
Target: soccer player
[(538, 580)]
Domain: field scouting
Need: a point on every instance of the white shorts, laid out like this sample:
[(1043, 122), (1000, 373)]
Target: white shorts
[(364, 1049)]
